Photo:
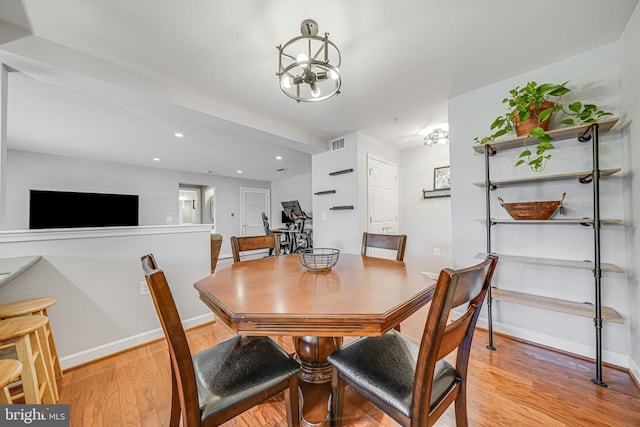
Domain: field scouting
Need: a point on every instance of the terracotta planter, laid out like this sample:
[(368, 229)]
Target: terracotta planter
[(524, 128)]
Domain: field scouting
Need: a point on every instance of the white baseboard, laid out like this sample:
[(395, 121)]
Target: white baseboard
[(634, 370), (101, 351), (617, 359)]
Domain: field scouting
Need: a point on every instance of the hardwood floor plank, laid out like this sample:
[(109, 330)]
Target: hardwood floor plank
[(517, 385)]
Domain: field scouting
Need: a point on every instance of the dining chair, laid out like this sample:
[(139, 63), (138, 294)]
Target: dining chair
[(252, 243), (396, 242), (409, 381), (219, 383)]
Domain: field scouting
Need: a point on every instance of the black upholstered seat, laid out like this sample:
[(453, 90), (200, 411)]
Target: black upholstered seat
[(392, 370), (388, 364), (237, 369), (216, 384)]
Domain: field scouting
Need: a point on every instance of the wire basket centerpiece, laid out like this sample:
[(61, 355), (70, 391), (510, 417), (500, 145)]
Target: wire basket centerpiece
[(319, 259)]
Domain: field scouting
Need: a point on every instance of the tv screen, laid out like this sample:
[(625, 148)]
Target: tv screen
[(66, 209)]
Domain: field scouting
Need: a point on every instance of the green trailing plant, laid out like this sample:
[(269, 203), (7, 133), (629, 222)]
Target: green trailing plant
[(527, 101)]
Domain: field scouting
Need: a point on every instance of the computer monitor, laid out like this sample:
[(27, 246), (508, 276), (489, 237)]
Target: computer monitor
[(292, 206)]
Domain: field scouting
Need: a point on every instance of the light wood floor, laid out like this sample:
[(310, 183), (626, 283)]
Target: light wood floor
[(518, 385)]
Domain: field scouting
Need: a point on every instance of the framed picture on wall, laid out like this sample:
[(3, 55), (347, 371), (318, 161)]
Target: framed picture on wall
[(441, 178)]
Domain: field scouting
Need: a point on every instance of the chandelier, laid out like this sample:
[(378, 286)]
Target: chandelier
[(437, 137), (309, 65)]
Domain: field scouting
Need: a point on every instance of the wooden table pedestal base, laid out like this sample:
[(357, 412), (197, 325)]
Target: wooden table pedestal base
[(315, 386)]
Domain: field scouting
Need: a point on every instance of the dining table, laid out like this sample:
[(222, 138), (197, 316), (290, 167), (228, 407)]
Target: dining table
[(278, 296)]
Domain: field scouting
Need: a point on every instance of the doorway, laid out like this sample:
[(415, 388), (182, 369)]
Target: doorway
[(254, 201), (382, 189), (189, 205)]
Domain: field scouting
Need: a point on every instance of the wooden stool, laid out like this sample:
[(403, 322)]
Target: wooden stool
[(24, 331), (37, 306), (9, 372)]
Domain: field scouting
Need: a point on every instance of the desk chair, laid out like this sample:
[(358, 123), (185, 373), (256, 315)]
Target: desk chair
[(391, 370), (219, 383), (384, 241), (252, 243)]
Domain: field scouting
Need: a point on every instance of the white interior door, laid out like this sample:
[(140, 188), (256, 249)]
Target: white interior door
[(382, 186), (254, 201)]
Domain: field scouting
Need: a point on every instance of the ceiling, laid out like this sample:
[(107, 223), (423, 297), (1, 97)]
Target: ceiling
[(401, 61)]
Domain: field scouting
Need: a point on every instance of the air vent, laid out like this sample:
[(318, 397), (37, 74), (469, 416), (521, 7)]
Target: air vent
[(337, 144)]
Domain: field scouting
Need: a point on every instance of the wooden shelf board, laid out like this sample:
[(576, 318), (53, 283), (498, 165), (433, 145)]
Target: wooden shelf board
[(556, 177), (557, 134), (550, 262), (555, 221), (562, 306)]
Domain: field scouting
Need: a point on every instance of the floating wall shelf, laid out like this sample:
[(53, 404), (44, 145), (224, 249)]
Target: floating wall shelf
[(341, 172), (432, 194), (341, 208), (319, 193)]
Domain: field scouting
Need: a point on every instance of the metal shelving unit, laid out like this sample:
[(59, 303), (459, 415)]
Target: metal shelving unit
[(584, 133)]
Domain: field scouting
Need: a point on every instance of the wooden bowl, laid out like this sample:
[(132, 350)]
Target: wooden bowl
[(532, 210)]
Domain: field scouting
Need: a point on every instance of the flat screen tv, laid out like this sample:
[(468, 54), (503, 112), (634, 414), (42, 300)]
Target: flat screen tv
[(67, 209)]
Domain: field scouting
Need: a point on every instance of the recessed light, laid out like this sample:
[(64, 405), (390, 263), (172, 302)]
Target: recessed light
[(239, 171), (278, 157), (178, 135), (156, 159)]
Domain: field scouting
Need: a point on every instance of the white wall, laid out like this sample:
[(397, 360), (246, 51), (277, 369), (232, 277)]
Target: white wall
[(338, 229), (630, 101), (94, 274), (342, 229), (427, 222), (95, 280), (593, 76), (157, 188), (293, 188)]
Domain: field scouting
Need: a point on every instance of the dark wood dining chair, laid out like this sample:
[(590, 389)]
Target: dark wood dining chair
[(252, 243), (409, 381), (396, 242), (219, 383)]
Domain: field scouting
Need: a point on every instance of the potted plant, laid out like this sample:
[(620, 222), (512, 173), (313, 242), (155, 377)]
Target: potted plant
[(529, 111)]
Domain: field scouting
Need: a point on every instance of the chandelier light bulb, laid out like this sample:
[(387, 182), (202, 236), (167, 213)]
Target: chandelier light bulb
[(302, 59), (315, 91), (286, 82), (334, 75)]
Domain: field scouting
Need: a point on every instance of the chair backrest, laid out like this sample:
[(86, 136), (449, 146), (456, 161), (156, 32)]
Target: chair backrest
[(181, 363), (252, 243), (384, 241), (454, 288), (265, 224)]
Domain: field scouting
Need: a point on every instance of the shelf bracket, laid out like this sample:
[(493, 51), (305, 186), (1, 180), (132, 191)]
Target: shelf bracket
[(586, 136), (586, 179)]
